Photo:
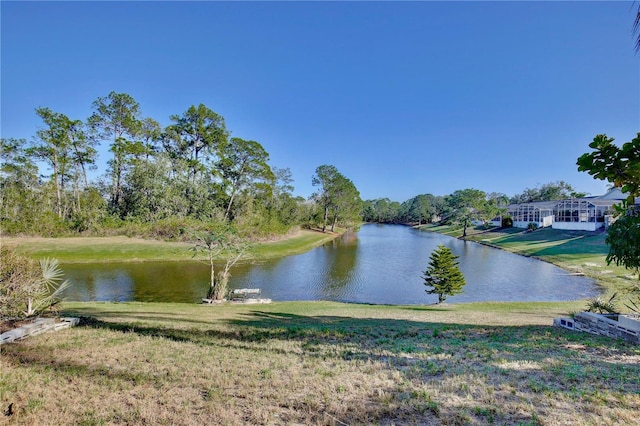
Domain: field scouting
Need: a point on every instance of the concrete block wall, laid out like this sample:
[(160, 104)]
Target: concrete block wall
[(599, 324), (38, 326)]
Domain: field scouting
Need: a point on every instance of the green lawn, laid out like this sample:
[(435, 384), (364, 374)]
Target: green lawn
[(579, 252), (125, 249), (320, 363)]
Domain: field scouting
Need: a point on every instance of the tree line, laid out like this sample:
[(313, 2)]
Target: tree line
[(462, 206), (158, 179)]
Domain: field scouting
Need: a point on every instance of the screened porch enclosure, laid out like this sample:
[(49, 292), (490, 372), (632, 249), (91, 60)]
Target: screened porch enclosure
[(540, 213), (569, 214)]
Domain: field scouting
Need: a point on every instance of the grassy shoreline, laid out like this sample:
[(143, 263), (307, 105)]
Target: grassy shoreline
[(319, 363), (327, 363), (578, 252), (127, 249)]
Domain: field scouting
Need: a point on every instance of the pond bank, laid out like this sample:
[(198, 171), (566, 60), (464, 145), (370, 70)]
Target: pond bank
[(578, 252), (126, 249)]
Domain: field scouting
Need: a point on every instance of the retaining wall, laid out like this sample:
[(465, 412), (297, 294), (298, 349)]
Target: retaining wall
[(627, 329), (38, 326)]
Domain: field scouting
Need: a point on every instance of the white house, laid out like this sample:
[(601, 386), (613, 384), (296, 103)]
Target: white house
[(585, 214)]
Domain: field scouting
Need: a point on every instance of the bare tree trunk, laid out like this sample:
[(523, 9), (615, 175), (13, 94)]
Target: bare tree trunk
[(326, 218)]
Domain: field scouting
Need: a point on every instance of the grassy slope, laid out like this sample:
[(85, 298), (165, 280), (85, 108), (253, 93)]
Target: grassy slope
[(332, 363), (320, 363), (576, 251), (125, 249)]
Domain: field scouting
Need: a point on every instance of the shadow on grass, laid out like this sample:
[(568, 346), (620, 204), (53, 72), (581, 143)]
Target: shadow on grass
[(524, 360), (392, 340)]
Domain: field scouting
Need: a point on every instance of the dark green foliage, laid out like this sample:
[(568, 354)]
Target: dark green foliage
[(466, 205), (549, 191), (443, 276), (337, 197), (186, 172), (623, 238), (621, 167)]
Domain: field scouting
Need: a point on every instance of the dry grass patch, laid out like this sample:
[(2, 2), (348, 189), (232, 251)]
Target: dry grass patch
[(318, 363)]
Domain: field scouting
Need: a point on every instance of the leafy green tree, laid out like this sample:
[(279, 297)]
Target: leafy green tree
[(325, 178), (53, 145), (551, 191), (421, 208), (283, 203), (196, 139), (196, 135), (621, 167), (466, 205), (243, 163), (150, 135), (337, 196), (443, 276), (347, 205), (116, 117), (20, 190)]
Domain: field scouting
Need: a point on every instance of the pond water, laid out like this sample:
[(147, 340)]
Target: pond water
[(380, 264)]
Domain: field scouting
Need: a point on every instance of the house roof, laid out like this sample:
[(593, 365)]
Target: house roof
[(540, 205)]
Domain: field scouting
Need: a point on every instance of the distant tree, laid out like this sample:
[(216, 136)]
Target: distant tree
[(195, 142), (423, 207), (495, 206), (243, 163), (53, 145), (325, 178), (621, 167), (464, 206), (551, 191), (347, 205), (116, 118), (381, 210), (336, 196), (443, 276), (197, 134), (20, 195), (150, 135)]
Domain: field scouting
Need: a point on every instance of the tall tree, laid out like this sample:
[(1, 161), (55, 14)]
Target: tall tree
[(53, 145), (621, 167), (347, 204), (83, 156), (196, 135), (325, 178), (466, 205), (551, 191), (242, 164), (116, 118), (443, 276), (196, 138), (337, 196)]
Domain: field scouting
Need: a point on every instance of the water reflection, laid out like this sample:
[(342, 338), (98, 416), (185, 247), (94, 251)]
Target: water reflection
[(379, 264)]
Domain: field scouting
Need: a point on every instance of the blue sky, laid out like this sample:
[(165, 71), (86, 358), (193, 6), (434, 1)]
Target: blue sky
[(402, 97)]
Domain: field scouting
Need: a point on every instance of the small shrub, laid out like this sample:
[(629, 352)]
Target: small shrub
[(601, 306), (532, 226), (507, 222), (443, 276), (27, 289)]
